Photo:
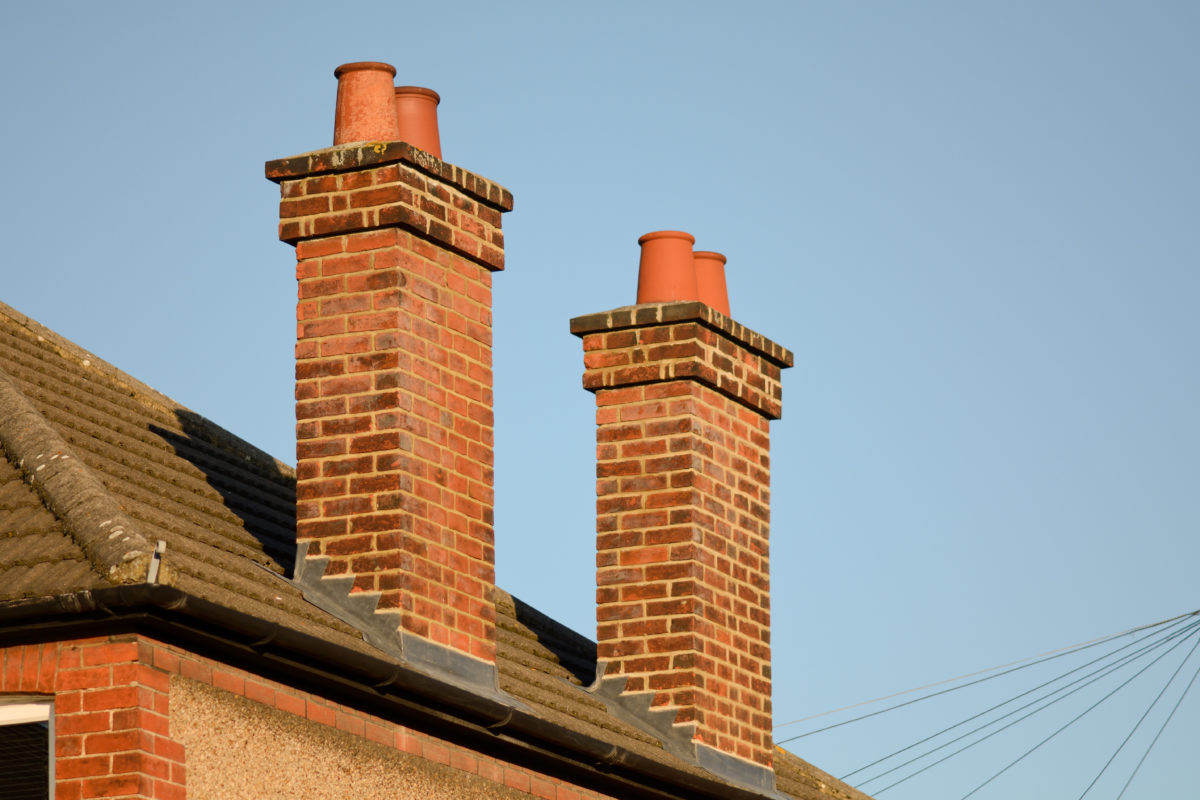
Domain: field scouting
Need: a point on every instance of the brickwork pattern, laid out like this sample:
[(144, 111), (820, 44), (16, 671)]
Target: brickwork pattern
[(683, 498), (397, 194), (684, 350), (112, 719), (394, 392), (111, 716)]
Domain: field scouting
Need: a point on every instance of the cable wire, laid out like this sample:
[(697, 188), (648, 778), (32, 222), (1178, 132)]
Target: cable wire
[(1154, 741), (1107, 670), (1053, 654), (993, 708), (1073, 721), (1104, 673), (1063, 650), (1129, 736)]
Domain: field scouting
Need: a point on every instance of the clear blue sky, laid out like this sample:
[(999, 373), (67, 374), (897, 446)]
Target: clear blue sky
[(977, 224)]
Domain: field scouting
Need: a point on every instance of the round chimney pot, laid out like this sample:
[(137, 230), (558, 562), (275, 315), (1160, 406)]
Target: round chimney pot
[(365, 106), (416, 117), (710, 280), (667, 272)]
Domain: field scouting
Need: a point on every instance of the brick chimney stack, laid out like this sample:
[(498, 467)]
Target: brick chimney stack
[(684, 397), (395, 251)]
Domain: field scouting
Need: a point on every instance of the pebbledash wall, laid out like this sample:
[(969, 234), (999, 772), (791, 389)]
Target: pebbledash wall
[(136, 717)]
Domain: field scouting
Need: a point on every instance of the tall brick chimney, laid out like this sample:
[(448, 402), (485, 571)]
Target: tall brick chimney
[(395, 251), (684, 396)]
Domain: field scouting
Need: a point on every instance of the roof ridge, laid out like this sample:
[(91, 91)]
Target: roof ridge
[(109, 538)]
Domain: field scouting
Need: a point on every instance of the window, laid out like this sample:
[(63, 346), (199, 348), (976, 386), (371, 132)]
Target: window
[(26, 749)]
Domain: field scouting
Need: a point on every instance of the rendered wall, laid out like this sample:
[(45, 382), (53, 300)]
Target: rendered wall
[(241, 750), (137, 718)]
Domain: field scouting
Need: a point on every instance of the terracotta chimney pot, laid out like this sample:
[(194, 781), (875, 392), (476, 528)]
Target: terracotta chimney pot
[(416, 118), (365, 106), (667, 272), (710, 280)]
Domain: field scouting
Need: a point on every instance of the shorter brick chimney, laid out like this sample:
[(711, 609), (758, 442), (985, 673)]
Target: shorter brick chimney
[(684, 399), (395, 251)]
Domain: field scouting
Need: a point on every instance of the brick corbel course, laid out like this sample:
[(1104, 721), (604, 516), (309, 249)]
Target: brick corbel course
[(371, 185), (667, 341)]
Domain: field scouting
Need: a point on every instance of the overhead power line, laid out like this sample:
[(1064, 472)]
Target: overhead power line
[(1015, 666), (1142, 719), (1163, 637), (1080, 716), (1103, 673), (1162, 728)]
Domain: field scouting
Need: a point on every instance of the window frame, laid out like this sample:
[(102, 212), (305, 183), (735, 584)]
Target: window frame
[(25, 709)]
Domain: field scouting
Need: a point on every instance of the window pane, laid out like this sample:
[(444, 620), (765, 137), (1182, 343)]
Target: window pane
[(25, 761)]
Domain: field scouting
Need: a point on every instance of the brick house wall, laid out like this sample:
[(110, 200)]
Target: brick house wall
[(137, 718)]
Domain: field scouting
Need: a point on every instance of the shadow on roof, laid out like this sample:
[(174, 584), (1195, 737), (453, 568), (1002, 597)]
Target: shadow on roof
[(253, 486)]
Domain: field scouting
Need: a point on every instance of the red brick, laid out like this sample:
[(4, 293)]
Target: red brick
[(516, 779), (169, 791), (104, 699), (166, 660), (143, 763), (350, 723), (320, 713), (344, 345), (303, 207), (196, 670), (463, 760), (372, 240), (84, 678), (260, 692), (67, 746), (114, 786), (112, 742), (68, 790), (338, 223), (171, 751), (229, 681), (383, 734), (141, 719), (436, 752), (67, 703), (84, 767), (540, 787), (289, 703)]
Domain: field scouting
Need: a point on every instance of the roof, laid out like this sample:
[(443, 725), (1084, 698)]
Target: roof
[(110, 489)]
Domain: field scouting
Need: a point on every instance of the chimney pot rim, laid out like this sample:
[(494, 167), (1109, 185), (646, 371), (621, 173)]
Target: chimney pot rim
[(710, 254), (667, 235), (354, 66), (419, 90)]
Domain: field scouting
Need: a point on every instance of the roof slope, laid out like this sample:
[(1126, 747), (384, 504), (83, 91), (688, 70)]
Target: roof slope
[(152, 472), (34, 548)]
